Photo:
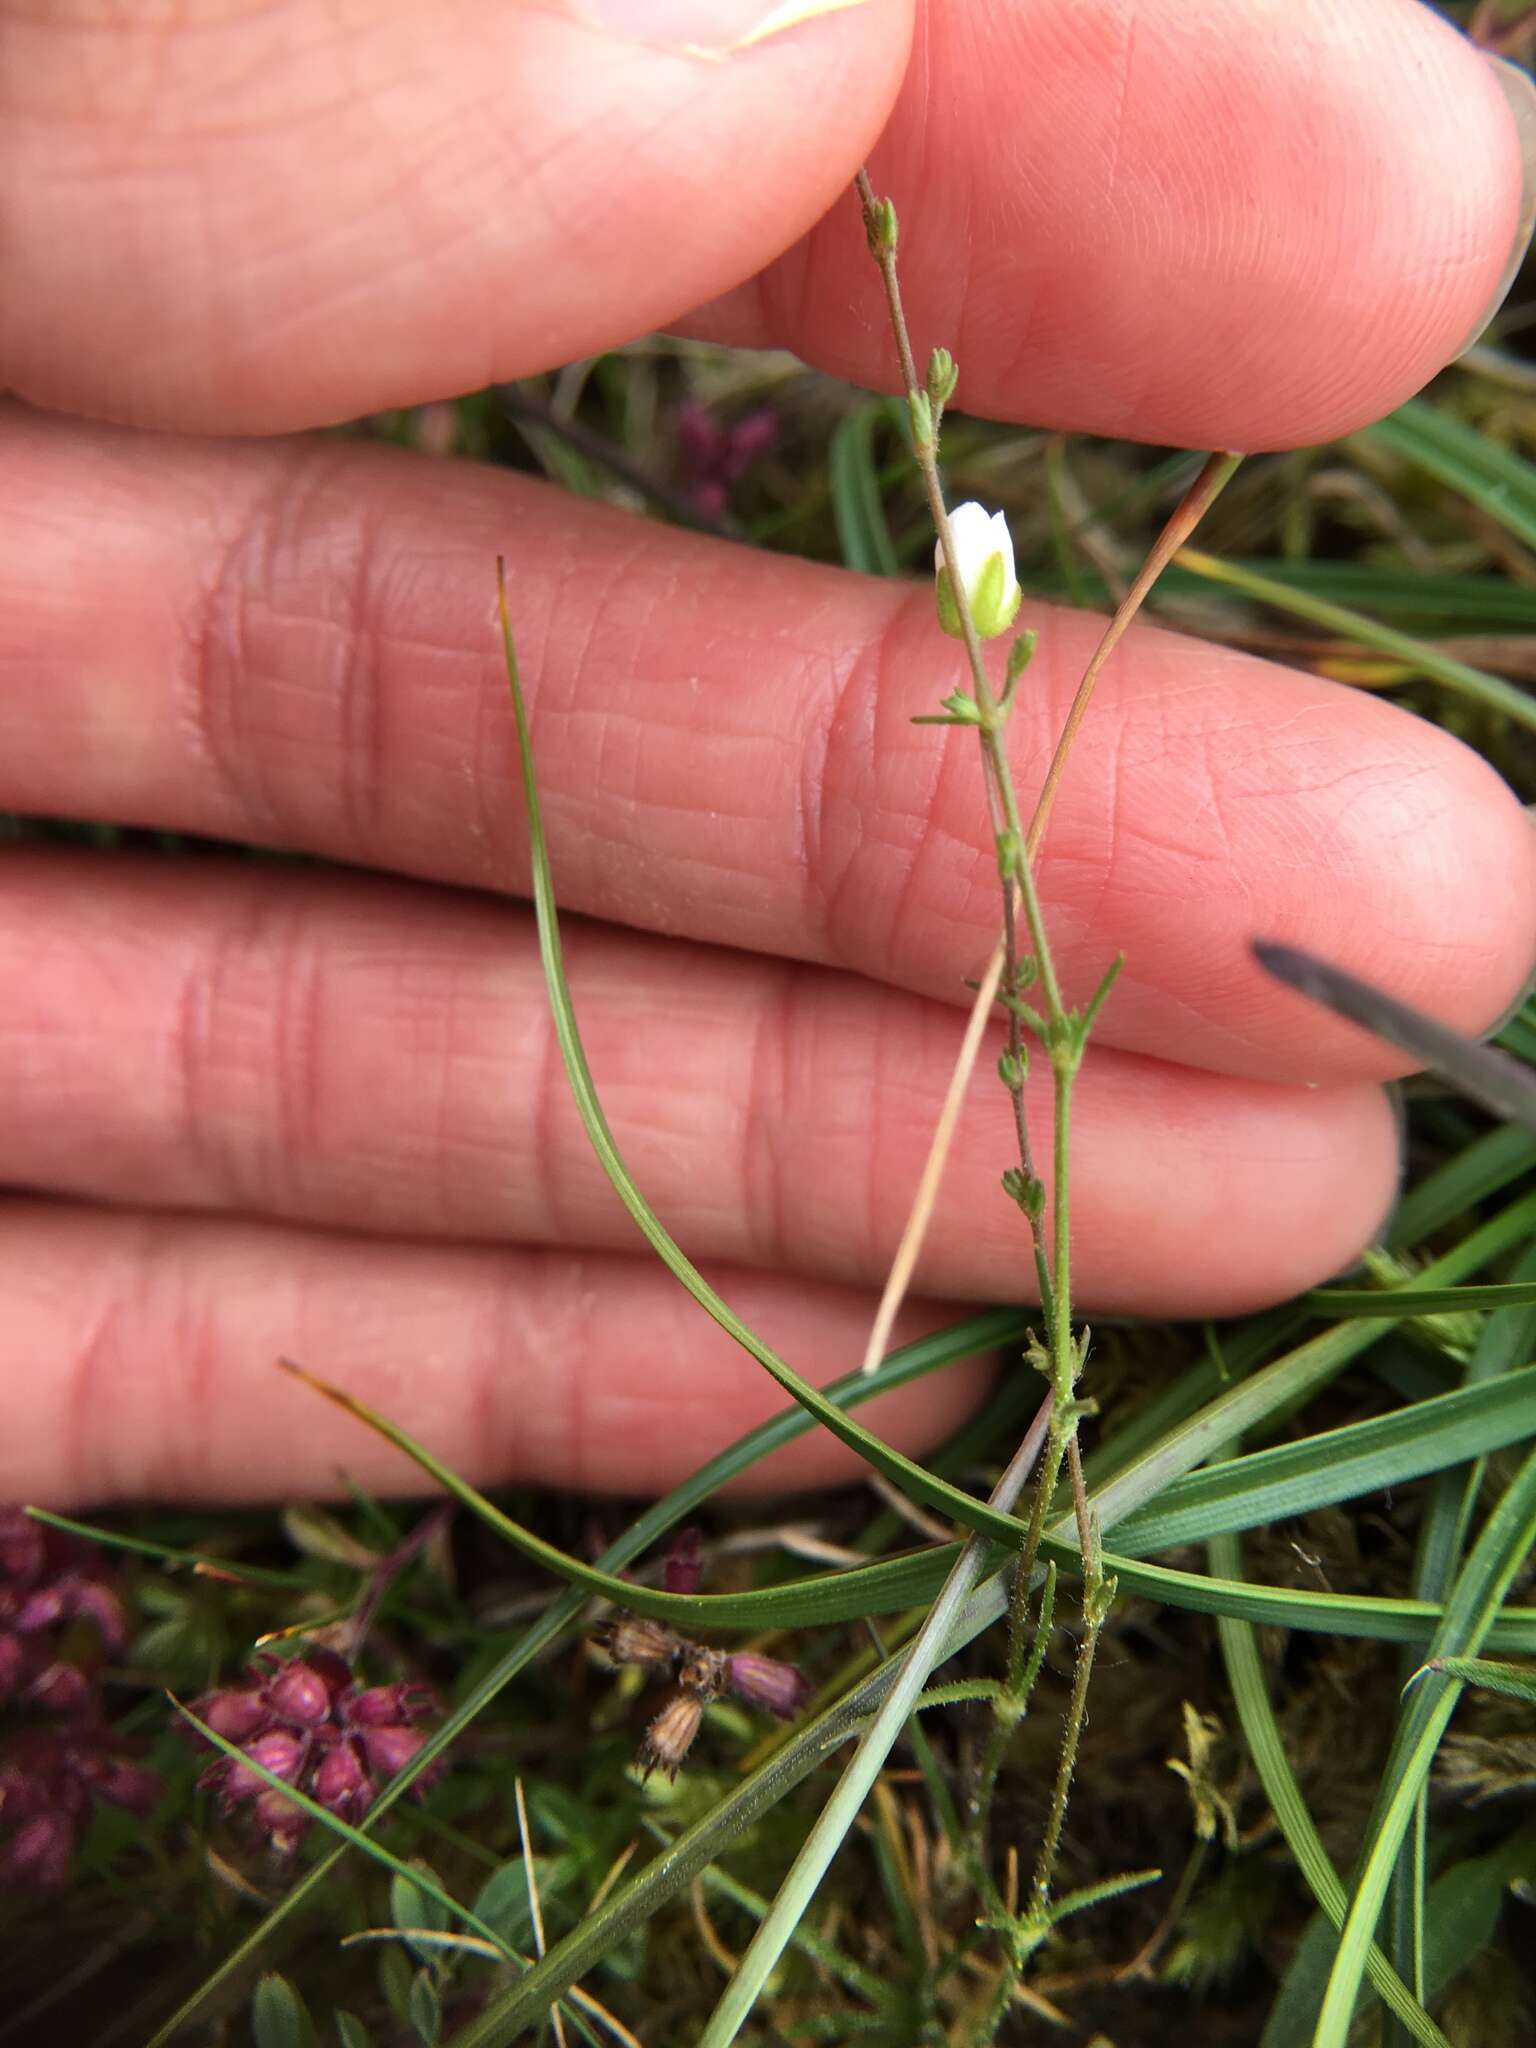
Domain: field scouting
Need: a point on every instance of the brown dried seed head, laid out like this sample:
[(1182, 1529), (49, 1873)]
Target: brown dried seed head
[(670, 1736), (632, 1639), (703, 1671)]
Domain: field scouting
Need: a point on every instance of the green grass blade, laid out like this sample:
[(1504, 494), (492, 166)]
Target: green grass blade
[(137, 1546), (1366, 1301), (1498, 1554), (1261, 1732), (857, 498), (913, 1478), (1372, 1615), (1489, 1163), (1336, 1464), (1516, 1680), (865, 1589), (1499, 481), (1431, 602), (1474, 683)]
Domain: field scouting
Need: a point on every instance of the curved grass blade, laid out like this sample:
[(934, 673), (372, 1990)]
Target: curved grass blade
[(913, 1478), (1237, 1493)]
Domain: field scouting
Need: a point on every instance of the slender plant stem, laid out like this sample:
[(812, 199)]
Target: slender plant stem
[(1062, 1037)]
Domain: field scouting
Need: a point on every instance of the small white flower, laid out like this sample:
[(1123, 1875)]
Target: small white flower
[(984, 559)]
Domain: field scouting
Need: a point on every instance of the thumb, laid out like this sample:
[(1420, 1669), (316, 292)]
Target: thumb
[(249, 220)]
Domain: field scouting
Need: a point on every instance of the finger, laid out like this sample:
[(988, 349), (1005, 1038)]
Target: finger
[(383, 1059), (296, 645), (354, 212), (1197, 223), (140, 1357)]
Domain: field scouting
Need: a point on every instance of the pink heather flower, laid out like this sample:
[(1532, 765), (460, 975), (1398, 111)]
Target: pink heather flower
[(342, 1784), (312, 1725), (389, 1750), (47, 1581), (54, 1770), (301, 1692), (38, 1854), (766, 1682), (49, 1781), (683, 1568), (714, 457)]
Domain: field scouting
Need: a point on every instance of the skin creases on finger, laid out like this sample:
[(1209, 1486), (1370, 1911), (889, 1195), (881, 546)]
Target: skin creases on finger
[(1187, 221), (295, 644), (1190, 222), (357, 208), (379, 1057), (140, 1354)]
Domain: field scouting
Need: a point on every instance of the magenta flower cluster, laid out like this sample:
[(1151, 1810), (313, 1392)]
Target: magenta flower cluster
[(311, 1723), (714, 457), (58, 1756)]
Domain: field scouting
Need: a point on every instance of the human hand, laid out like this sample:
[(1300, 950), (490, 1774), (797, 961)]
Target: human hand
[(264, 1109)]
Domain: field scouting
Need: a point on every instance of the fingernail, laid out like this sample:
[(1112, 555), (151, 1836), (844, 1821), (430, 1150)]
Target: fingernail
[(703, 28), (1516, 86)]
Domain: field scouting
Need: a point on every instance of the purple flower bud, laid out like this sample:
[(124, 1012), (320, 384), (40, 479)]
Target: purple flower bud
[(332, 1669), (766, 1682), (44, 1608), (119, 1782), (382, 1706), (13, 1662), (341, 1784), (390, 1749), (23, 1791), (237, 1713), (279, 1819), (21, 1547), (300, 1693), (280, 1751), (36, 1858), (59, 1688), (97, 1602), (683, 1569)]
